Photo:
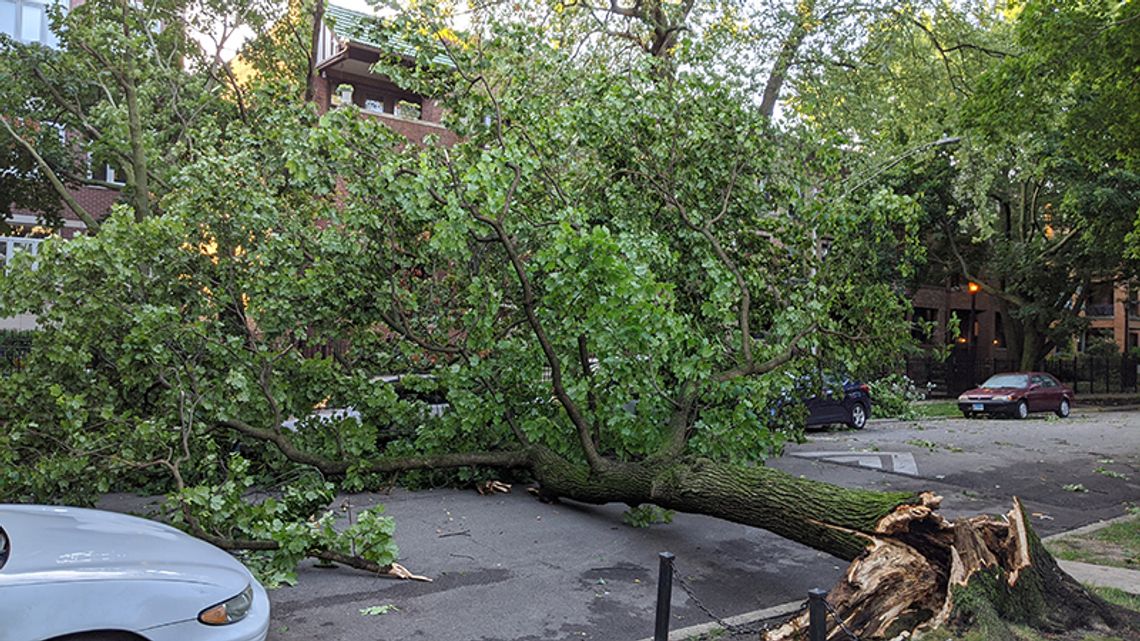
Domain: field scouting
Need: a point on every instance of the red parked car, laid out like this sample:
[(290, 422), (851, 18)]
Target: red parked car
[(1017, 394)]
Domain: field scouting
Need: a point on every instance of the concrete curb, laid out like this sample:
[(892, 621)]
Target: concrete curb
[(1101, 576), (782, 610), (1090, 528), (1083, 409)]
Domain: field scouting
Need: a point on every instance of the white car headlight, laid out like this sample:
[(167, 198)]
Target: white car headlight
[(229, 611), (963, 398), (1006, 397)]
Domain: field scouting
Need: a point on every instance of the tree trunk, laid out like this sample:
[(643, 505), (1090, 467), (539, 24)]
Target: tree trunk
[(1032, 347), (1014, 331), (911, 570), (828, 518)]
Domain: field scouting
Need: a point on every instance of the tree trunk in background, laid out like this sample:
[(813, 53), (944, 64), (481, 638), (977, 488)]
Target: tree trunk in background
[(1032, 347), (1014, 332)]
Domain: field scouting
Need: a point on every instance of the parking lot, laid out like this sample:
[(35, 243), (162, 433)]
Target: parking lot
[(507, 567)]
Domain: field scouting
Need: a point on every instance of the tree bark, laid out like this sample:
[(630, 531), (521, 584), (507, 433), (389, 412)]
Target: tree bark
[(1032, 347), (141, 172), (825, 517), (924, 574), (911, 570)]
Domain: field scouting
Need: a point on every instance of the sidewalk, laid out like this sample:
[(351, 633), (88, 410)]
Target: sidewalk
[(1103, 576)]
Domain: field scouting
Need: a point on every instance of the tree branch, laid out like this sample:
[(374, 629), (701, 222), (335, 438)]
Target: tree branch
[(793, 350), (505, 459), (61, 189)]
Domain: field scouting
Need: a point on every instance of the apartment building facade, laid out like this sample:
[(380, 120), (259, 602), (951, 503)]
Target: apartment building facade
[(345, 54), (1112, 312)]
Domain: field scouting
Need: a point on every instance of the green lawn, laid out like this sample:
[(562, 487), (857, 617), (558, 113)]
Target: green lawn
[(931, 409), (1119, 597), (1117, 545)]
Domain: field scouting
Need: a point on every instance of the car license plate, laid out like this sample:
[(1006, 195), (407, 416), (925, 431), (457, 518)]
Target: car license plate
[(979, 407)]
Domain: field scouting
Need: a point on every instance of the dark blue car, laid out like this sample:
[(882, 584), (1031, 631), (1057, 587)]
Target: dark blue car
[(823, 403), (853, 409)]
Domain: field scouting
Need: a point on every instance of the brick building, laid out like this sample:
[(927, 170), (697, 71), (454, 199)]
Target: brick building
[(1112, 311), (345, 55)]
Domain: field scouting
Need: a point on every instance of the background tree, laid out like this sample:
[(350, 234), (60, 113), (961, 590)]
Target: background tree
[(1018, 205), (140, 87)]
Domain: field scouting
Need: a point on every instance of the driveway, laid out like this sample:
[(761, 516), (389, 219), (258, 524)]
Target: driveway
[(507, 567)]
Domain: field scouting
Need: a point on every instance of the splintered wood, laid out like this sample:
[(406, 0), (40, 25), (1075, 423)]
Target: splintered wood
[(904, 582)]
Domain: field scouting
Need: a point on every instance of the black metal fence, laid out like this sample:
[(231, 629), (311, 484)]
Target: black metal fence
[(1085, 373), (13, 350)]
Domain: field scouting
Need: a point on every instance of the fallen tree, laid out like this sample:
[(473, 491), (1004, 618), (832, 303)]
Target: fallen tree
[(613, 279)]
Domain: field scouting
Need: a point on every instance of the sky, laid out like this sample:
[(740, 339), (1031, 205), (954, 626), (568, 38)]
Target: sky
[(233, 45)]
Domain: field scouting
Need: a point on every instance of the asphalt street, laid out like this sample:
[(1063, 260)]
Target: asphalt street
[(507, 567)]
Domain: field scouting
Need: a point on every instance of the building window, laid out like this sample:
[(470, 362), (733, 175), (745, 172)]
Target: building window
[(100, 168), (1100, 303), (965, 335), (999, 331), (922, 324), (27, 20), (10, 247), (1097, 340)]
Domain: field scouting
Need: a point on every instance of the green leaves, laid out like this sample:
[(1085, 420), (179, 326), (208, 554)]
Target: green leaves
[(298, 521), (645, 515), (319, 293)]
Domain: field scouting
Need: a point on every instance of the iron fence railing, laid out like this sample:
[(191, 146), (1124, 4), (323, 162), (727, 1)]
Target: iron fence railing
[(13, 352), (1100, 309), (1085, 373)]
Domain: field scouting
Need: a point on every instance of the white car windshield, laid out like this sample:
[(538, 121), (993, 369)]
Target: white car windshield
[(1007, 380)]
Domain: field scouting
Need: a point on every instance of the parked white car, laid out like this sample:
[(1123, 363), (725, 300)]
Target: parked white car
[(89, 575)]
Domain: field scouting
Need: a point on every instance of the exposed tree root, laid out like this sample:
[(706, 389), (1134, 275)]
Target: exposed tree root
[(921, 572)]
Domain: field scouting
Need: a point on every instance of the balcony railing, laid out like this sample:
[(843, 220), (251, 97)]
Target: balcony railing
[(10, 246), (1100, 310)]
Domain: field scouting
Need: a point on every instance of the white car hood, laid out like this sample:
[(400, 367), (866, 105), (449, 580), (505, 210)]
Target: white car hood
[(52, 544)]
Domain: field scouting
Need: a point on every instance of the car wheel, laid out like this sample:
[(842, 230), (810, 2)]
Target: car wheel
[(858, 416), (1064, 409), (967, 415), (1022, 409)]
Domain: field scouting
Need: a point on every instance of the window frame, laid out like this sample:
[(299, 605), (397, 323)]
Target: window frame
[(9, 248), (46, 37)]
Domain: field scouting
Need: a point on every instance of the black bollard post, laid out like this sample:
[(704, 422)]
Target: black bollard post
[(664, 597), (817, 615)]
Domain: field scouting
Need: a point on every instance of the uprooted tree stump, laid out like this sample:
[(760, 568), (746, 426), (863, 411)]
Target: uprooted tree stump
[(921, 574)]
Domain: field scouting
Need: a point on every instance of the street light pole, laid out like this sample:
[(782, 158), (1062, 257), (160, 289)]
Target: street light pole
[(972, 337), (973, 288)]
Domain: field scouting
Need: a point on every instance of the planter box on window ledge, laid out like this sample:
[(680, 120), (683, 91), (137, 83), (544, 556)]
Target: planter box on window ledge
[(407, 110)]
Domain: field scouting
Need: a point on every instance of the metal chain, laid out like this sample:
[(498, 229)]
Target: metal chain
[(839, 620), (733, 629), (754, 627)]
